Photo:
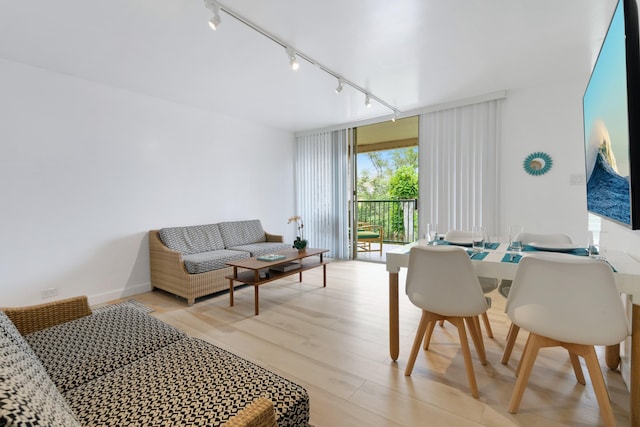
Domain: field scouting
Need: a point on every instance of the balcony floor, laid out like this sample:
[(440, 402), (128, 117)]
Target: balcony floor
[(375, 256)]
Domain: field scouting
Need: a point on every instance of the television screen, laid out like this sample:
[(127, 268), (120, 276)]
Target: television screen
[(609, 102)]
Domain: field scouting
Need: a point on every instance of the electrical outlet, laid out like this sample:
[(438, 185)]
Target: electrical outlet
[(49, 293)]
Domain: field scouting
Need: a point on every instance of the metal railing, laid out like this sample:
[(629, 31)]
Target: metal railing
[(398, 218)]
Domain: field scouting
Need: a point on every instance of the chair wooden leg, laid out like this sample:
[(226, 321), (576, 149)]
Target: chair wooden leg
[(528, 358), (511, 340), (577, 368), (487, 325), (476, 321), (597, 381), (526, 344), (473, 324), (424, 320), (464, 344), (428, 333)]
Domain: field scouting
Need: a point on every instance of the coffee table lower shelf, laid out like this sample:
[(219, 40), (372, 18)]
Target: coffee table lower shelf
[(251, 276)]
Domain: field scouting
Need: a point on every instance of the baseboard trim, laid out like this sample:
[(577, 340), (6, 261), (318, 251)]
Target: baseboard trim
[(119, 293)]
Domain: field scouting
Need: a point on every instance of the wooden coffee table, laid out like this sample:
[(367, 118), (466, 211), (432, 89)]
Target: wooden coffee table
[(253, 266)]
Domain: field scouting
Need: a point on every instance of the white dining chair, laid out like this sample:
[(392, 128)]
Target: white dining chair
[(441, 282), (505, 285), (488, 284), (567, 301)]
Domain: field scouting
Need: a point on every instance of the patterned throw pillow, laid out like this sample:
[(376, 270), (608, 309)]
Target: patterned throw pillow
[(28, 397), (238, 233), (193, 239)]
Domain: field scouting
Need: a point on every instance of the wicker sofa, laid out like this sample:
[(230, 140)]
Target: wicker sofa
[(64, 365), (190, 261)]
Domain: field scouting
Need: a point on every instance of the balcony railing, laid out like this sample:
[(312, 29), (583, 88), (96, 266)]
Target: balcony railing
[(398, 218)]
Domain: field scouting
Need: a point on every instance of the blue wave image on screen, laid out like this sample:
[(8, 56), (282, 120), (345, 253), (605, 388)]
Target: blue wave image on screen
[(608, 192)]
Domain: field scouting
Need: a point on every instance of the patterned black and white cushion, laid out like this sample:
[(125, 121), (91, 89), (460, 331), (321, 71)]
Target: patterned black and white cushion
[(190, 382), (28, 397), (263, 248), (193, 239), (76, 352), (238, 233), (7, 326), (207, 261)]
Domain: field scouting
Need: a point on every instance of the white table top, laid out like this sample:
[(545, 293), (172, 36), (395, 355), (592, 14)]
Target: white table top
[(627, 268)]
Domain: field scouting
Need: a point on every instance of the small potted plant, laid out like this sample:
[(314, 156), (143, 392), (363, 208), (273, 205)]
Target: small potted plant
[(300, 243)]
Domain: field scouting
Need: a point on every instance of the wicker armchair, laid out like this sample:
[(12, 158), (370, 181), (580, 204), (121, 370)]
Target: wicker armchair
[(259, 413), (367, 234), (37, 317)]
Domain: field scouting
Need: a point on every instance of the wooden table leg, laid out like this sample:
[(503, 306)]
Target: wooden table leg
[(324, 276), (230, 292), (394, 333), (634, 387), (255, 300)]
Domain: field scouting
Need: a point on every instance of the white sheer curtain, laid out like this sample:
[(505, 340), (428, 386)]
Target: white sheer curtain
[(322, 190), (459, 167)]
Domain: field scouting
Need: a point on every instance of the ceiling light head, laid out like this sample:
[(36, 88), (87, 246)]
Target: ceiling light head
[(214, 22), (340, 85), (367, 101), (214, 7), (293, 62)]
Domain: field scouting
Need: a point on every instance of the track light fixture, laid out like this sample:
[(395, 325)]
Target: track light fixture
[(214, 7), (293, 61)]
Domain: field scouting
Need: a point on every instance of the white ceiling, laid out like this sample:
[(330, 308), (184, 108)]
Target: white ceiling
[(410, 53)]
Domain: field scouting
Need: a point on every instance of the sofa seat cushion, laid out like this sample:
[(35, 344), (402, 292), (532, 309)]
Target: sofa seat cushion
[(214, 260), (262, 248), (238, 233), (367, 235), (76, 352), (190, 382), (28, 397), (193, 239)]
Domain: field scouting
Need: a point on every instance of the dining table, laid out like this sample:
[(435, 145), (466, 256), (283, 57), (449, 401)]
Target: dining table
[(497, 261)]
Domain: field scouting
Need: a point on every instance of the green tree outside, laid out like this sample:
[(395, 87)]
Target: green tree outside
[(394, 177)]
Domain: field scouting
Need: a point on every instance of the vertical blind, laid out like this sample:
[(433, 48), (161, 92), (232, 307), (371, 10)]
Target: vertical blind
[(459, 167), (322, 190)]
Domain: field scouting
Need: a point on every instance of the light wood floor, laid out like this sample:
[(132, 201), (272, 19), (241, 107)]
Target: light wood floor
[(334, 342)]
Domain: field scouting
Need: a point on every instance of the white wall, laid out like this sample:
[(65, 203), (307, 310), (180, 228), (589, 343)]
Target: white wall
[(86, 170), (549, 119)]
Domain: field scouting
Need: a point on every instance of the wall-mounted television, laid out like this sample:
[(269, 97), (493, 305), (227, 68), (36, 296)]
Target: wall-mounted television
[(611, 109)]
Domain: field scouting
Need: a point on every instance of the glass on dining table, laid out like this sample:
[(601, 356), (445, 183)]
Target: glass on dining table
[(478, 238), (515, 239), (595, 248), (432, 233)]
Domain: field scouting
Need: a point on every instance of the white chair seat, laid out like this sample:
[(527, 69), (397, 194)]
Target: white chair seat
[(441, 281), (505, 285), (488, 284), (566, 301), (563, 305)]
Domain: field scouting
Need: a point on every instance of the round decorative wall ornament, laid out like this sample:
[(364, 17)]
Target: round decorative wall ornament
[(537, 163)]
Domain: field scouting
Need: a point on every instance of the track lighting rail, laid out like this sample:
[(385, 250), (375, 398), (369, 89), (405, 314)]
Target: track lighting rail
[(216, 6)]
